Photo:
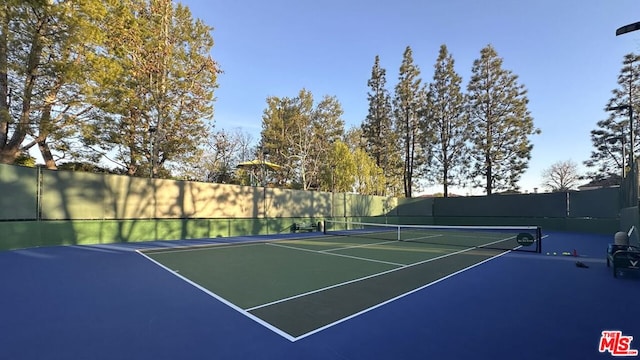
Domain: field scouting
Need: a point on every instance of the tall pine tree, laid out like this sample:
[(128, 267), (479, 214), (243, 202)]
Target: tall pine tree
[(501, 124), (380, 139), (612, 138), (407, 106), (447, 124)]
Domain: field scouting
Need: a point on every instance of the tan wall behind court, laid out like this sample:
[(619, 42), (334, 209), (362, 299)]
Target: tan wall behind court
[(80, 196)]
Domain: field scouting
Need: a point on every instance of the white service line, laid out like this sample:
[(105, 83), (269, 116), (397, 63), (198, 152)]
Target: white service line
[(423, 237), (359, 246), (334, 254), (198, 247)]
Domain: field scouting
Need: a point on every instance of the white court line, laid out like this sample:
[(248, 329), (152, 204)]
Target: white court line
[(423, 237), (216, 246), (224, 301), (359, 246)]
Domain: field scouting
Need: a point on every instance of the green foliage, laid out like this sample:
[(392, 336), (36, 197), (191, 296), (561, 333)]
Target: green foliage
[(158, 88), (280, 120), (447, 125), (341, 168), (45, 62), (297, 136), (24, 159), (354, 138), (377, 129), (612, 137), (369, 177), (408, 104), (84, 78), (609, 140), (501, 124), (83, 166)]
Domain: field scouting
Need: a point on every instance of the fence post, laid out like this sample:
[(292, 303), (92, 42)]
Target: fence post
[(39, 193)]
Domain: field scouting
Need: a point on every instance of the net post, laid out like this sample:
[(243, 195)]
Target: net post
[(539, 239)]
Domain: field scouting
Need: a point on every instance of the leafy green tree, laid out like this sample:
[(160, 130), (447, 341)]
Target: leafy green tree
[(46, 60), (501, 124), (351, 169), (161, 80), (369, 177), (327, 128), (297, 136), (342, 168), (354, 138), (612, 139), (408, 103), (279, 120), (377, 129), (447, 124)]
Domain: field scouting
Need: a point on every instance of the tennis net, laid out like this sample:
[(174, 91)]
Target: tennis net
[(517, 238)]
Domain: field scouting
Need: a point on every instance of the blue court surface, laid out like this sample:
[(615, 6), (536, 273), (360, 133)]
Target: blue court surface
[(112, 302)]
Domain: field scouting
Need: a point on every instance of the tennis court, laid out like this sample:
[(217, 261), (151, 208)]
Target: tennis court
[(299, 286), (372, 294)]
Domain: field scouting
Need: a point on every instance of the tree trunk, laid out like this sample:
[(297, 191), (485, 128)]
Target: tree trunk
[(407, 174), (9, 155), (489, 175), (10, 148), (5, 95), (445, 185), (45, 151), (445, 174)]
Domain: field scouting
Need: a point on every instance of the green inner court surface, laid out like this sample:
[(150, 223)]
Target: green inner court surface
[(299, 286)]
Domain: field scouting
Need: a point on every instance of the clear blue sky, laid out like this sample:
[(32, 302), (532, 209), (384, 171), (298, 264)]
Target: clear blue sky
[(564, 51)]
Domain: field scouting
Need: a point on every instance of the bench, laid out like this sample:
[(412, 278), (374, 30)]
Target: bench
[(296, 227)]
